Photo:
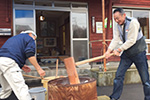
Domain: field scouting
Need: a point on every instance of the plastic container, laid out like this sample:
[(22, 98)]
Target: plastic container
[(37, 93)]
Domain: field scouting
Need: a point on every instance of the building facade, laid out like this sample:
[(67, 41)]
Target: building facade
[(68, 27)]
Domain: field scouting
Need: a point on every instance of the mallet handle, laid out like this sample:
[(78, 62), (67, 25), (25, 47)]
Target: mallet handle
[(90, 60), (31, 76)]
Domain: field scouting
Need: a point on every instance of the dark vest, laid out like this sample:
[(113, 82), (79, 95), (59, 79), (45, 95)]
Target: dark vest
[(140, 44)]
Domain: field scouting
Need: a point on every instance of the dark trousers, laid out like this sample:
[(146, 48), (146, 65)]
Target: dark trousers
[(141, 64), (11, 97)]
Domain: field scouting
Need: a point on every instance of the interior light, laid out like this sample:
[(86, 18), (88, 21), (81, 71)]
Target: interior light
[(42, 17)]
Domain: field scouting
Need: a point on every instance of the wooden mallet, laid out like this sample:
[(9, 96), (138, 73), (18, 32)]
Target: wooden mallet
[(71, 67)]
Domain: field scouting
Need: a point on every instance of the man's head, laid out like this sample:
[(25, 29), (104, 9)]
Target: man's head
[(31, 34), (119, 16)]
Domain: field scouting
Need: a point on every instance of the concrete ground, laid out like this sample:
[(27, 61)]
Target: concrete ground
[(130, 92)]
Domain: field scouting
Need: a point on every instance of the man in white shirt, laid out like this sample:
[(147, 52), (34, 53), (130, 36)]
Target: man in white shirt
[(132, 51)]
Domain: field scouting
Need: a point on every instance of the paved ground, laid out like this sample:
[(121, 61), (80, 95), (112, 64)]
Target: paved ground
[(130, 92)]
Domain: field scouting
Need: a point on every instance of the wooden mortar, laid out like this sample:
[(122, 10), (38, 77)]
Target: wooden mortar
[(61, 89)]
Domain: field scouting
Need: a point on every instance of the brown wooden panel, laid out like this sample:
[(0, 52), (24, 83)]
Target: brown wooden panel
[(132, 2), (5, 13), (2, 40)]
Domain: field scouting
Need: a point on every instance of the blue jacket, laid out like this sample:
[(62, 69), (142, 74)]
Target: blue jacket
[(18, 48)]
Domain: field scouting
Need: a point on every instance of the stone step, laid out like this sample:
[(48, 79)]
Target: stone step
[(103, 78), (103, 97), (106, 78)]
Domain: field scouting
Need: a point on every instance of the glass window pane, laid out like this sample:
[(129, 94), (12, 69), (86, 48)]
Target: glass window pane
[(24, 20), (80, 50), (128, 13), (79, 25), (143, 18)]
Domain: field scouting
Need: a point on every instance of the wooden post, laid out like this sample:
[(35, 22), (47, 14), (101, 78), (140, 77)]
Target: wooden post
[(57, 67), (103, 19)]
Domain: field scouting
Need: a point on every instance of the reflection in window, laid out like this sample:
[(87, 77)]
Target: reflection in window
[(80, 50), (79, 25), (24, 20), (143, 18)]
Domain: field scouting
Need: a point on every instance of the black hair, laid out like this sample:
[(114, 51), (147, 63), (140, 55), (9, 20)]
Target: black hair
[(120, 10)]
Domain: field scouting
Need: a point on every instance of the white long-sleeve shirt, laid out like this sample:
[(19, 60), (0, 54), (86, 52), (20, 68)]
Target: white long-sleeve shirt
[(132, 36)]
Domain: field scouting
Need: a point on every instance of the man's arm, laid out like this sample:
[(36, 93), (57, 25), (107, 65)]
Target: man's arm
[(34, 62), (115, 41)]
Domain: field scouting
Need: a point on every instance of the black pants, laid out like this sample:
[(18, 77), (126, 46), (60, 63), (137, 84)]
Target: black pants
[(11, 97)]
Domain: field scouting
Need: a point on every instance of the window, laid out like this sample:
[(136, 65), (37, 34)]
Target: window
[(24, 20), (143, 18), (80, 35), (79, 25)]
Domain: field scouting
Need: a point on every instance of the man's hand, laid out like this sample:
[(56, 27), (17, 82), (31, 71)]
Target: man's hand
[(107, 55), (41, 72), (117, 52), (26, 68)]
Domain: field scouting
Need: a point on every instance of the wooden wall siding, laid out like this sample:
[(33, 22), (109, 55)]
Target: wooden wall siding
[(75, 0), (5, 17), (132, 3), (5, 13), (3, 40), (95, 9)]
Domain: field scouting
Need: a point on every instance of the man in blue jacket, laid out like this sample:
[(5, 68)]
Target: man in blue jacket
[(13, 55)]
